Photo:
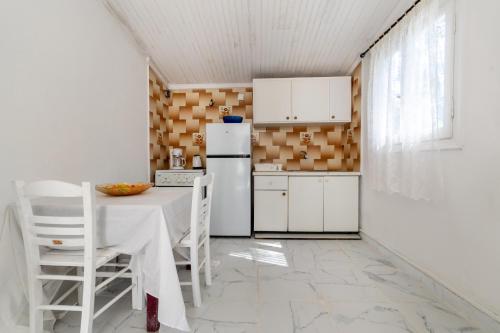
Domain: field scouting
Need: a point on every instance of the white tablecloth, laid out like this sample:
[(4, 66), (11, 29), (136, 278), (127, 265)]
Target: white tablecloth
[(145, 225)]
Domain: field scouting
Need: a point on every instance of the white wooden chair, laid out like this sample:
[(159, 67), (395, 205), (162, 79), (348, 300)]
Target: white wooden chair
[(199, 235), (47, 240)]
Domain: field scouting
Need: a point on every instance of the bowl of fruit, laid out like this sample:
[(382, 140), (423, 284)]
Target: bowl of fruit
[(121, 189)]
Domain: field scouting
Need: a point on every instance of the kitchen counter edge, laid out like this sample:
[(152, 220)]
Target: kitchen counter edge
[(305, 173)]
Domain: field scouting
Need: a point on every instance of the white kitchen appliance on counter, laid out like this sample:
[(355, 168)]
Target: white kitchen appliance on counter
[(177, 160), (197, 162), (176, 178), (229, 158)]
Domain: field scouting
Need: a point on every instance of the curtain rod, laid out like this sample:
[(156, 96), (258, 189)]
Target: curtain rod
[(362, 55)]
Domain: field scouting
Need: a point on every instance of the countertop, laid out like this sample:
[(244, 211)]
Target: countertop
[(305, 173)]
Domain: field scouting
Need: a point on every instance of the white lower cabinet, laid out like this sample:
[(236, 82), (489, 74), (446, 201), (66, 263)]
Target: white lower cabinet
[(270, 203), (340, 204), (271, 210), (305, 205)]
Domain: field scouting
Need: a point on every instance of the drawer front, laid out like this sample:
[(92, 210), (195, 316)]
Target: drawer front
[(271, 182)]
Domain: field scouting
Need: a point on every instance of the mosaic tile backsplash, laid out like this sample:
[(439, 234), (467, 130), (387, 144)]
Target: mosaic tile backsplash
[(190, 110), (158, 114), (328, 147)]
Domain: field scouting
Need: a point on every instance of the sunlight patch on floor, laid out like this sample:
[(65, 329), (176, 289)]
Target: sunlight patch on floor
[(263, 256), (271, 244)]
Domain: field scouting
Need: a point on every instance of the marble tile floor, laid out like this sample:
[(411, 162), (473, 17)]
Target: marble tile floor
[(296, 286)]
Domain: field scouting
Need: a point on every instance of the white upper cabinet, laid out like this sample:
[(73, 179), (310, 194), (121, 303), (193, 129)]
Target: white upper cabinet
[(340, 99), (302, 100), (310, 100), (271, 101)]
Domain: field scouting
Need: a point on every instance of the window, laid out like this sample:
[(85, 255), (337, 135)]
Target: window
[(409, 102), (435, 39)]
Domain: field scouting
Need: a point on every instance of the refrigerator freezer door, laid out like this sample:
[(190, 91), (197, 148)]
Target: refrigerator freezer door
[(231, 196), (228, 139)]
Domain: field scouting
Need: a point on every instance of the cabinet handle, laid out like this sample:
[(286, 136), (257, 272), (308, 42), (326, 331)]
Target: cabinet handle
[(295, 117), (283, 194), (287, 118), (333, 117)]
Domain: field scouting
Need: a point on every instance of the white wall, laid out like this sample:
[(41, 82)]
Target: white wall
[(458, 240), (73, 95)]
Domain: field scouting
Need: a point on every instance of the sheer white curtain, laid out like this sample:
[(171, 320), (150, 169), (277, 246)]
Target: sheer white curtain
[(406, 102)]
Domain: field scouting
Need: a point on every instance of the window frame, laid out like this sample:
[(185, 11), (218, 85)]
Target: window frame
[(449, 136), (454, 140), (449, 84)]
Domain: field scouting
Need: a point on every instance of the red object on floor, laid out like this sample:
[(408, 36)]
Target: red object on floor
[(152, 324)]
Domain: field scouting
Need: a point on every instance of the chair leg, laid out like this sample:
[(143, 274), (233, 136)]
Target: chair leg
[(208, 264), (79, 272), (36, 320), (88, 298), (36, 315), (195, 278)]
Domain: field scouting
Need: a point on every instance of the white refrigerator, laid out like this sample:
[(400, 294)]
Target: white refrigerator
[(229, 158)]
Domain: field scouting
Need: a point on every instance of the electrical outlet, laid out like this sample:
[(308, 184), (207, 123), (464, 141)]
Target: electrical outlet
[(241, 96)]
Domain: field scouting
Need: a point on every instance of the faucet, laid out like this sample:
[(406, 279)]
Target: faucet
[(303, 154)]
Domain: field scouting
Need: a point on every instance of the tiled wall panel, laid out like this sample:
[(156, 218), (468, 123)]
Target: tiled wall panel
[(190, 110), (158, 115), (329, 147)]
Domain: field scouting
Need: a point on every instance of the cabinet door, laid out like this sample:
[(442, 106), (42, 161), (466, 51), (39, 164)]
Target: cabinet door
[(340, 99), (270, 210), (310, 99), (271, 100), (341, 204), (305, 205)]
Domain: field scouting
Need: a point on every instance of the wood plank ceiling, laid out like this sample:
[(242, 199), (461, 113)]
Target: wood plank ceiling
[(228, 41)]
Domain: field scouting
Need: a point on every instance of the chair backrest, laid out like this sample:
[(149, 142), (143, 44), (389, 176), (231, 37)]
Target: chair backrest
[(62, 231), (201, 207)]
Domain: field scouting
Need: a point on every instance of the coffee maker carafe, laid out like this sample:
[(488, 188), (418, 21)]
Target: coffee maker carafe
[(177, 161)]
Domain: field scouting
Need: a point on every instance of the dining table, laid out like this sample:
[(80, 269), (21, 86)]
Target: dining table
[(146, 226)]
